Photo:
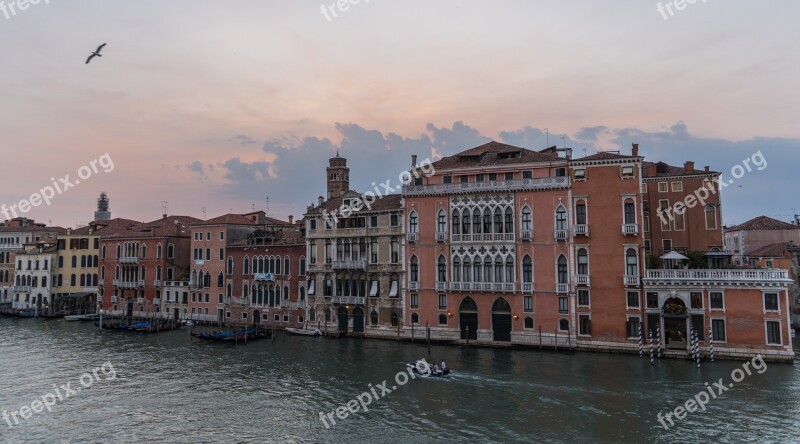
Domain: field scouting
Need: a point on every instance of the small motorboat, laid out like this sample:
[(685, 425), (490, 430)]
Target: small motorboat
[(431, 372), (303, 332), (82, 318)]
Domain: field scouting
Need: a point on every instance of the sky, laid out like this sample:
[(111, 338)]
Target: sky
[(216, 106)]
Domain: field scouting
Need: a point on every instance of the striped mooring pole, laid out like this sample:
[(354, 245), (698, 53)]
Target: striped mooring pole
[(658, 339), (711, 343), (641, 347), (651, 347)]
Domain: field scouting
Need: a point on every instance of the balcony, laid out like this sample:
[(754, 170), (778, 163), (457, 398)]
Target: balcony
[(718, 277), (89, 289), (199, 262), (349, 300), (505, 287), (412, 237), (157, 301), (140, 283), (10, 246), (114, 299), (527, 287), (561, 235), (195, 286), (124, 284), (140, 301), (441, 286), (441, 236), (544, 183), (526, 235), (350, 265), (263, 277), (631, 281), (129, 260), (22, 288), (562, 288), (582, 279), (157, 283), (581, 229), (413, 285), (630, 229)]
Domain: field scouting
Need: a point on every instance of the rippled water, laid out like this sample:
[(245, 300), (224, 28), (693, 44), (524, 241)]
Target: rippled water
[(169, 388)]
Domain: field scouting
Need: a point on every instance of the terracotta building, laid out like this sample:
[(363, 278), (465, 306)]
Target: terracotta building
[(743, 239)]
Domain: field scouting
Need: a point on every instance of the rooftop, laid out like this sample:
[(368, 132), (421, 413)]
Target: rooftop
[(763, 223), (493, 154)]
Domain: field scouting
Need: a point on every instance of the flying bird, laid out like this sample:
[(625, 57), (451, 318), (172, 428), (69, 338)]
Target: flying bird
[(96, 53)]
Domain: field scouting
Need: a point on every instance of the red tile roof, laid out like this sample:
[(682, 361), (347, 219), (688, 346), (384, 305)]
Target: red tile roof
[(763, 223), (169, 226), (109, 227), (777, 250), (665, 170), (493, 154), (391, 202), (604, 155)]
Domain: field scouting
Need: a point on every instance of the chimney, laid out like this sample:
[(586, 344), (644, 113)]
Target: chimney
[(688, 167), (635, 150), (413, 161), (320, 200), (291, 219), (706, 169)]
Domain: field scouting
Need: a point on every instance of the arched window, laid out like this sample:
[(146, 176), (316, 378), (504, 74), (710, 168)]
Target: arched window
[(395, 319), (302, 265), (229, 291), (286, 265), (487, 220), (487, 269), (561, 218), (441, 269), (580, 213), (230, 264), (509, 269), (562, 270), (456, 270), (631, 263), (465, 221), (498, 220), (498, 269), (373, 317), (414, 318), (170, 251), (476, 221), (711, 217), (74, 261), (456, 222), (246, 265), (144, 251), (119, 249), (414, 269), (583, 261), (476, 269), (526, 220), (220, 280), (102, 253), (278, 265), (441, 222), (509, 228), (60, 262), (528, 322), (467, 270), (527, 269), (83, 262), (413, 222), (73, 280)]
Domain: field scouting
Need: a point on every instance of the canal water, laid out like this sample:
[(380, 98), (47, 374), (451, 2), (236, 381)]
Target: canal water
[(169, 388)]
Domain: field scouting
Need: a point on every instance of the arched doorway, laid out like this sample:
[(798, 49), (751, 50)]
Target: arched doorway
[(343, 319), (358, 320), (675, 335), (129, 308), (468, 318), (256, 317), (501, 320)]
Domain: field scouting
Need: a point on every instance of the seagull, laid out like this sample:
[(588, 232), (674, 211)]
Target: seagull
[(95, 53)]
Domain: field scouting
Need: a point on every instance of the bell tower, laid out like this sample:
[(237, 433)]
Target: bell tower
[(338, 176)]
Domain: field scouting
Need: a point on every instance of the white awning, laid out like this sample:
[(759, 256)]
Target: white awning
[(373, 291), (311, 287), (672, 255), (393, 290)]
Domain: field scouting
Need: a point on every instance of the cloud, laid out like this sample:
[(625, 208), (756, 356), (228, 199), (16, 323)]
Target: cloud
[(591, 133), (243, 140)]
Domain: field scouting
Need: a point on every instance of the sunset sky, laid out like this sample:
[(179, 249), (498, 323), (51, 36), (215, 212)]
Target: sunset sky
[(221, 104)]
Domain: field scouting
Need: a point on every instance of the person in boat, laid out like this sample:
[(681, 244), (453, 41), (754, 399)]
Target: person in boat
[(444, 366), (436, 368)]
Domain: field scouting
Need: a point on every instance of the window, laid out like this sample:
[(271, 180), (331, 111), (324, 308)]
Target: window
[(492, 177), (442, 301), (527, 270), (414, 318), (664, 214), (442, 319), (562, 270), (447, 179), (584, 325), (479, 178), (561, 172), (395, 250), (527, 304), (583, 261), (414, 300), (441, 270), (464, 179), (663, 187), (580, 174), (170, 251), (394, 220), (718, 330), (441, 222), (677, 187), (769, 264), (221, 254), (208, 235), (563, 305), (696, 300), (563, 325), (580, 213), (509, 176), (717, 300), (774, 333), (529, 323), (632, 326), (680, 218), (526, 219), (629, 213), (561, 218), (711, 217), (527, 174), (771, 302), (631, 263), (413, 226), (583, 298), (666, 244), (652, 300), (633, 299), (414, 275)]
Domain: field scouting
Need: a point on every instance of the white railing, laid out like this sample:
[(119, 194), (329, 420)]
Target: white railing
[(631, 281), (156, 282), (129, 260), (456, 238), (125, 284), (580, 229), (140, 301), (562, 288), (352, 300), (350, 265), (412, 237), (481, 286), (157, 301), (441, 286), (630, 229), (441, 236), (263, 277), (114, 299), (561, 235), (455, 286), (413, 285), (11, 246), (140, 283), (90, 289), (22, 288), (527, 287), (525, 235), (544, 183), (582, 279), (719, 276)]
